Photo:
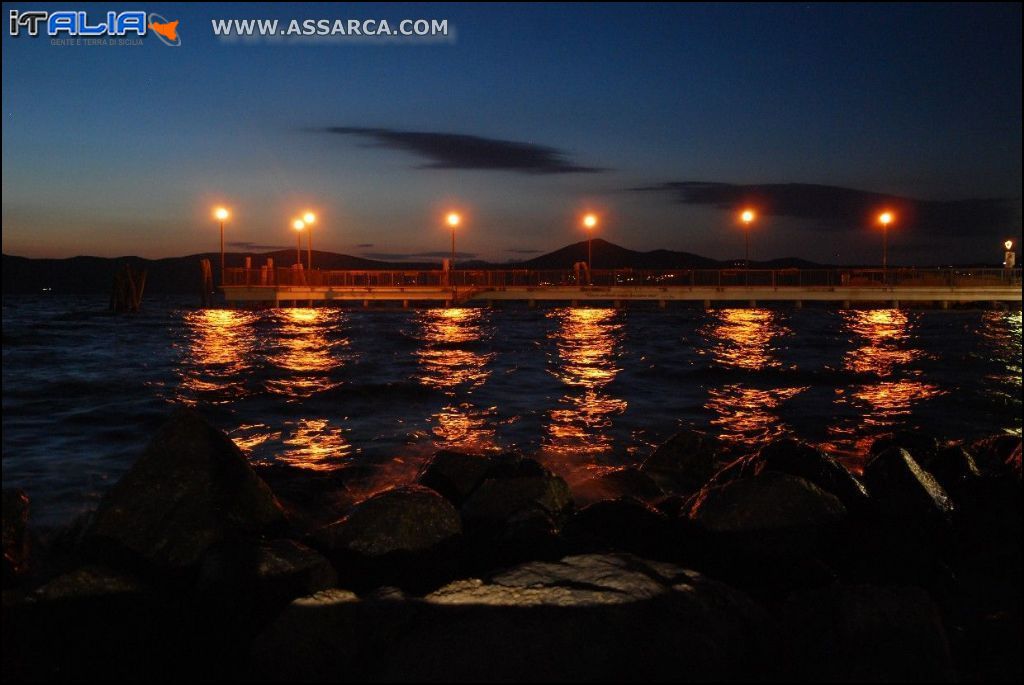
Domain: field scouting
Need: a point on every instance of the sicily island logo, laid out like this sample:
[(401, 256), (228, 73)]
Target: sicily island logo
[(78, 25)]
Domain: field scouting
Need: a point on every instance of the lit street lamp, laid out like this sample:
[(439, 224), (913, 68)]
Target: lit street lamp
[(309, 218), (298, 225), (1010, 258), (747, 217), (590, 223), (453, 219), (885, 218), (221, 214)]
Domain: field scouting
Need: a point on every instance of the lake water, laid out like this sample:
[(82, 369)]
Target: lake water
[(582, 389)]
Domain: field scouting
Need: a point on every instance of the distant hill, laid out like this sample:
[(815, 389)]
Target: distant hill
[(181, 274)]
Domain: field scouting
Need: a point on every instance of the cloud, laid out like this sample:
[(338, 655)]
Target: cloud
[(402, 256), (241, 245), (461, 151), (835, 207), (520, 250), (364, 245)]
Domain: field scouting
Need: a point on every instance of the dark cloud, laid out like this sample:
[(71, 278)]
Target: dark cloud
[(403, 256), (241, 245), (460, 151), (520, 250), (837, 207), (364, 245)]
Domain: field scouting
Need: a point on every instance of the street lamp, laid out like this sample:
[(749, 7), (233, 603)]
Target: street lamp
[(747, 217), (222, 215), (453, 219), (298, 225), (885, 218), (309, 218), (1010, 258), (590, 223)]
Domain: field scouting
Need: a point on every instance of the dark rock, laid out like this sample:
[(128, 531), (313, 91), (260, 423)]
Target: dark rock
[(89, 582), (683, 463), (528, 535), (906, 491), (624, 525), (190, 490), (773, 515), (411, 518), (15, 534), (264, 573), (591, 617), (812, 464), (998, 454), (921, 446), (628, 481), (954, 468), (455, 475), (867, 634), (514, 486)]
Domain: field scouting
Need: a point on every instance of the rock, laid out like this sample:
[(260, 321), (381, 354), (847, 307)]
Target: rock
[(265, 572), (89, 582), (954, 468), (906, 492), (812, 464), (15, 534), (455, 475), (191, 489), (684, 463), (411, 518), (867, 634), (624, 525), (589, 617), (773, 515), (996, 455), (628, 481), (513, 486), (921, 446)]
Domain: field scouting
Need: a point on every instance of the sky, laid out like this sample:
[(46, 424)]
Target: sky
[(663, 120)]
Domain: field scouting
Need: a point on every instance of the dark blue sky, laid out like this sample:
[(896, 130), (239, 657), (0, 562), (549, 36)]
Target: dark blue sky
[(124, 150)]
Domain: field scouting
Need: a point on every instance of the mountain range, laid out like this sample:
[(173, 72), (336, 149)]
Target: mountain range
[(182, 274)]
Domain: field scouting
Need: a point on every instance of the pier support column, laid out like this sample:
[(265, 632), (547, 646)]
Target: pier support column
[(405, 304), (366, 303), (895, 304), (707, 304), (532, 304), (661, 304), (846, 304), (752, 304), (574, 303), (799, 304), (944, 304), (617, 304)]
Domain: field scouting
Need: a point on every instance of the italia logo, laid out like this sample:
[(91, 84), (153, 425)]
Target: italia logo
[(78, 24)]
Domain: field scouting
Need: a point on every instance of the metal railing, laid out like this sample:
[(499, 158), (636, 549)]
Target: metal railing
[(600, 278)]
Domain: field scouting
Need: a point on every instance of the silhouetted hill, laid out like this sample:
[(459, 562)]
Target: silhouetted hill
[(181, 274)]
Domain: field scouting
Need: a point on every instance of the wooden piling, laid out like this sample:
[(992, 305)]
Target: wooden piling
[(126, 293)]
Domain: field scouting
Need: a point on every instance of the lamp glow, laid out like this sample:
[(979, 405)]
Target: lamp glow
[(298, 224), (453, 219), (747, 216), (590, 220), (1008, 244), (221, 213), (885, 218), (309, 217)]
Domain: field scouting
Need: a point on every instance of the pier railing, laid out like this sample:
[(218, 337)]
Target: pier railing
[(718, 278)]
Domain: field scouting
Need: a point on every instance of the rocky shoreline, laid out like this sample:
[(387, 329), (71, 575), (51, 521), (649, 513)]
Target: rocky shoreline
[(778, 565)]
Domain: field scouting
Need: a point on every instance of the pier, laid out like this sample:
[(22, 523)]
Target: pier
[(736, 287)]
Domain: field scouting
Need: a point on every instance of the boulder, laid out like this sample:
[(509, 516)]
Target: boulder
[(625, 524), (191, 489), (628, 481), (954, 468), (455, 475), (787, 455), (684, 463), (774, 515), (264, 573), (906, 492), (15, 534), (866, 634), (410, 518), (998, 454), (513, 486), (588, 617)]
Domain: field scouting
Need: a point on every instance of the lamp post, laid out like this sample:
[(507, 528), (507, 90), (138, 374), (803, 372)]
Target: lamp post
[(309, 218), (590, 223), (222, 215), (747, 217), (298, 225), (885, 218), (1009, 257), (453, 219)]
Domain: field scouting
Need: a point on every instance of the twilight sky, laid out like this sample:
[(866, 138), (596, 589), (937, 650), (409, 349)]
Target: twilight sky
[(662, 119)]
